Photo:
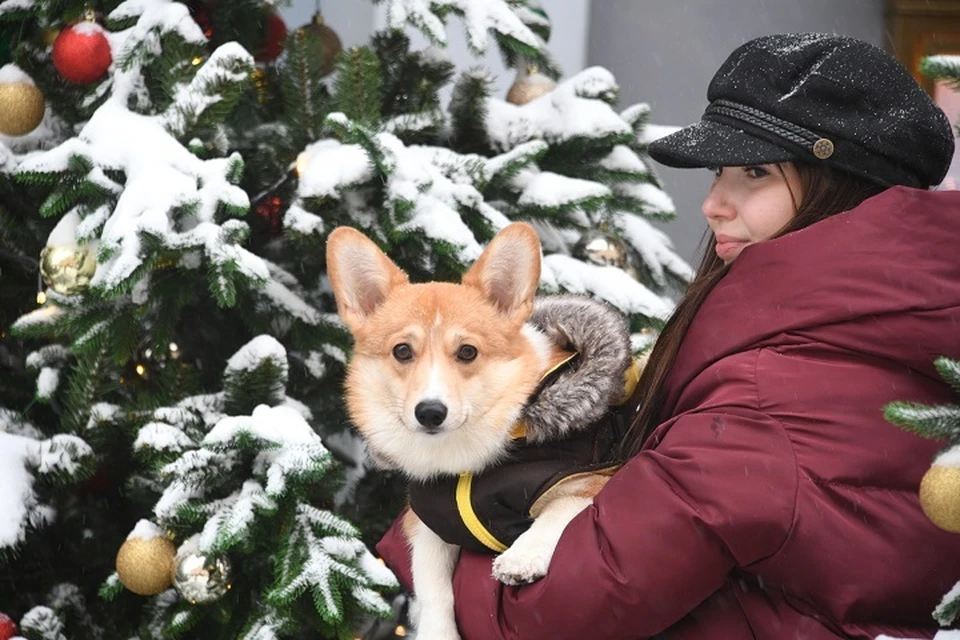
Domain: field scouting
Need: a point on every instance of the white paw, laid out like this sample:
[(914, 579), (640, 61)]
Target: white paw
[(437, 628), (519, 565)]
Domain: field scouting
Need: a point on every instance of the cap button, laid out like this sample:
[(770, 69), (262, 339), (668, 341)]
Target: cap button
[(823, 149)]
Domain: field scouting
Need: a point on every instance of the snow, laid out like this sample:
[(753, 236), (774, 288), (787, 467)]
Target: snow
[(623, 158), (608, 283), (655, 248), (158, 436), (64, 234), (479, 16), (548, 190), (330, 165), (253, 354), (302, 221), (47, 382), (146, 530), (12, 74), (949, 458), (17, 495), (162, 175), (285, 299), (234, 516), (649, 194), (282, 426), (570, 111), (653, 132)]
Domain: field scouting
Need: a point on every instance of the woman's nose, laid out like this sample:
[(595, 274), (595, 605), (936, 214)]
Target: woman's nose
[(716, 204)]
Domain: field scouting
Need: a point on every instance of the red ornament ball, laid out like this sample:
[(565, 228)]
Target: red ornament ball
[(7, 627), (274, 39), (81, 53)]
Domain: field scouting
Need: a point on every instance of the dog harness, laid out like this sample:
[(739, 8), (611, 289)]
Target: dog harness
[(488, 511)]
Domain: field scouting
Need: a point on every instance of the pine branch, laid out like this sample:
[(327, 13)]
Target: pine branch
[(941, 422)]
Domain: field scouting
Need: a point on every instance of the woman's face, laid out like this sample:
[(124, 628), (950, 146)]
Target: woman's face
[(750, 204)]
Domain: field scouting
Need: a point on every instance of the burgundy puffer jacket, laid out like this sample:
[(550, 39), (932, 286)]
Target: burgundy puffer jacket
[(775, 502)]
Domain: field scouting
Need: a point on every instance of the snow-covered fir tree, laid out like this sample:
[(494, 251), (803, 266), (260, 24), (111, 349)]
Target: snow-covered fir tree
[(175, 460)]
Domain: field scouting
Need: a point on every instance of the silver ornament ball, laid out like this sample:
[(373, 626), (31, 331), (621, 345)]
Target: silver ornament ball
[(200, 578), (601, 249)]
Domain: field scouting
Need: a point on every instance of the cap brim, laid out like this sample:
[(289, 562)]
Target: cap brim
[(713, 144)]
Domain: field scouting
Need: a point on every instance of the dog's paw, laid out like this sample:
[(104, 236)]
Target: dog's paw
[(517, 565), (437, 629)]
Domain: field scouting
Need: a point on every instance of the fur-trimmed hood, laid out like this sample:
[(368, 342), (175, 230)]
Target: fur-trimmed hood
[(582, 393)]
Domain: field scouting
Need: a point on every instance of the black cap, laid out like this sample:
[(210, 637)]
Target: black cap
[(817, 98)]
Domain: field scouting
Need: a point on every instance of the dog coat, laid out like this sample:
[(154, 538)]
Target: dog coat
[(488, 511)]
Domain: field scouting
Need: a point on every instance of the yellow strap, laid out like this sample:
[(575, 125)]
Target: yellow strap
[(631, 378), (464, 506)]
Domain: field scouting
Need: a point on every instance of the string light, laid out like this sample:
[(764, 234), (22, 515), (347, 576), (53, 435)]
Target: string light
[(400, 632), (141, 369), (174, 351), (302, 161), (41, 297), (196, 61)]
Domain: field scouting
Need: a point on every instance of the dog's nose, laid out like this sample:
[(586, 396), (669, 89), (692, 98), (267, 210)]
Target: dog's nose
[(431, 414)]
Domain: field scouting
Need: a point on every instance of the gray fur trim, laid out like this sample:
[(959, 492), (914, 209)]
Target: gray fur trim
[(581, 394)]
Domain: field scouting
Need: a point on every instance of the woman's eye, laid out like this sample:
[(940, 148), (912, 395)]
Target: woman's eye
[(467, 353), (716, 171), (756, 172), (402, 352)]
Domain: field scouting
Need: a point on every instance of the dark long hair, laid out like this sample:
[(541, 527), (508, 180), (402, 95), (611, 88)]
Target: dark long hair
[(824, 192)]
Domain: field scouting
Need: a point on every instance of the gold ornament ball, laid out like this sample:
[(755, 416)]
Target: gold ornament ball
[(50, 36), (144, 565), (68, 270), (21, 108), (529, 86), (940, 496), (330, 45)]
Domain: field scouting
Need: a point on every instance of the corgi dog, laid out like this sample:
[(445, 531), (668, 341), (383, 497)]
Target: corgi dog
[(439, 376)]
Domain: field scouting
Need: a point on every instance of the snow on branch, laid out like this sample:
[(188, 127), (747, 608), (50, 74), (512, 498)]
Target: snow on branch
[(315, 559), (576, 108), (479, 17), (163, 180), (62, 458), (216, 87)]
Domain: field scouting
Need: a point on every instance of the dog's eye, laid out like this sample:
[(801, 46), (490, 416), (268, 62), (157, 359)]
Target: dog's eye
[(403, 352), (467, 353)]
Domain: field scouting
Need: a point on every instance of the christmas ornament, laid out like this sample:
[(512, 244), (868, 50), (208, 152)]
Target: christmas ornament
[(600, 248), (143, 564), (940, 496), (65, 266), (274, 39), (200, 578), (8, 628), (201, 15), (529, 85), (271, 211), (81, 53), (21, 102), (329, 41), (50, 36)]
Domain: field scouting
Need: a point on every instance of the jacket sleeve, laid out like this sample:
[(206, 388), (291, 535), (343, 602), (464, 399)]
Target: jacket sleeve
[(716, 493)]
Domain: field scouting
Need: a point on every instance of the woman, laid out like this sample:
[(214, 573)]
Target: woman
[(765, 496)]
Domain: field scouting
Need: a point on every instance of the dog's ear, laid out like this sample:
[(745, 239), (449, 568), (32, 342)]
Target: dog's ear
[(508, 271), (360, 273)]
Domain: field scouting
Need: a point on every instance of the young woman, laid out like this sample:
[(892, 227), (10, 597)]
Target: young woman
[(763, 494)]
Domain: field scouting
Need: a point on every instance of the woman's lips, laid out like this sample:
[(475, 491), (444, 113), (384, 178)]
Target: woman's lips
[(728, 247)]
